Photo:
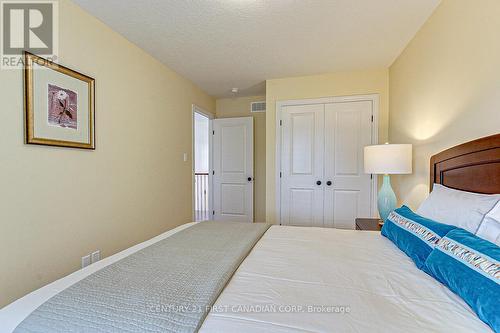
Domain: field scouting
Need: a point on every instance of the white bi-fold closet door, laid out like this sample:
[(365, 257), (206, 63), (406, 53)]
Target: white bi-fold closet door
[(322, 178)]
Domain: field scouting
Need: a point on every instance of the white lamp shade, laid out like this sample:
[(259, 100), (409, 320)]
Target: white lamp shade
[(388, 159)]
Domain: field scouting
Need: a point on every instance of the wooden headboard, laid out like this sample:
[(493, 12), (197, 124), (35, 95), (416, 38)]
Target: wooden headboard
[(473, 166)]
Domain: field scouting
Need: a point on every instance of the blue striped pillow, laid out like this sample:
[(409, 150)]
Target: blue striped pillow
[(413, 234), (470, 267)]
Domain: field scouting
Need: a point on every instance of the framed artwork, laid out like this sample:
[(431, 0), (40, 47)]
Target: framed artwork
[(58, 105)]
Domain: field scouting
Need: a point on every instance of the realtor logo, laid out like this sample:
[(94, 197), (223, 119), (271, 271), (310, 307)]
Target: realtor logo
[(28, 26)]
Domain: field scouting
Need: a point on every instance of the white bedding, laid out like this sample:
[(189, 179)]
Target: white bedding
[(355, 271), (360, 269)]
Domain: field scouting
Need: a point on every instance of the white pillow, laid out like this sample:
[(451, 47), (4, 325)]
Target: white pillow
[(490, 227), (459, 208)]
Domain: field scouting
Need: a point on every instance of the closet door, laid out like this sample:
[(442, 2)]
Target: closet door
[(302, 165), (347, 188)]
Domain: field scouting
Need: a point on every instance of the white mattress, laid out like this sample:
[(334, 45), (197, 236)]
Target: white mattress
[(294, 266), (298, 267)]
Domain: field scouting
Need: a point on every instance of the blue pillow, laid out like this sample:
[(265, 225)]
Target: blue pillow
[(470, 267), (413, 234)]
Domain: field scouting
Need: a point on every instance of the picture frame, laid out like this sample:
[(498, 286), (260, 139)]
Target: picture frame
[(59, 105)]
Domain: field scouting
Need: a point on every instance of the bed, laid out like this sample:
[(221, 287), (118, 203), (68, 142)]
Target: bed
[(300, 279)]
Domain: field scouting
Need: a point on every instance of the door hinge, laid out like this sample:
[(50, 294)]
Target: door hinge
[(371, 176), (213, 212), (372, 118), (213, 172), (280, 174), (281, 122), (213, 132)]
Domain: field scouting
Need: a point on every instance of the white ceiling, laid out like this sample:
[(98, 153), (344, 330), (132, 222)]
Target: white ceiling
[(220, 44)]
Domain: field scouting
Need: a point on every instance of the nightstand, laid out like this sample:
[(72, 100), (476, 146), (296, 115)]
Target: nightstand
[(371, 224)]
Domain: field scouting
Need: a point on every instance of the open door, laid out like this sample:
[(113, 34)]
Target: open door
[(233, 169), (202, 155)]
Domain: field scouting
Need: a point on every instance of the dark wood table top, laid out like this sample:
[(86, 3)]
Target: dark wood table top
[(368, 224)]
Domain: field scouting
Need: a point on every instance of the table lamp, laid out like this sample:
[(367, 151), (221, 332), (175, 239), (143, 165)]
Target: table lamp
[(388, 159)]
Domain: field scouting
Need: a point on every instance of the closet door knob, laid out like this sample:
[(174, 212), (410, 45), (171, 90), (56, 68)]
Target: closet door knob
[(318, 182), (329, 183)]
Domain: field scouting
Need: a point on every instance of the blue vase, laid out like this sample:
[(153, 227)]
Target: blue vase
[(386, 198)]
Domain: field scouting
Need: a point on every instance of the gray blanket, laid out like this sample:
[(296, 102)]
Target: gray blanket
[(166, 287)]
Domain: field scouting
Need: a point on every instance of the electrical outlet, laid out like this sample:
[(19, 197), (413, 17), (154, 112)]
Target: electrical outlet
[(96, 256), (86, 260)]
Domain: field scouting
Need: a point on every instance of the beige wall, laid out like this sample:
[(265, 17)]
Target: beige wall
[(445, 87), (326, 85), (58, 204), (240, 107)]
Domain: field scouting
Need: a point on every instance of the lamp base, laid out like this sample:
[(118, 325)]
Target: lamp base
[(386, 199)]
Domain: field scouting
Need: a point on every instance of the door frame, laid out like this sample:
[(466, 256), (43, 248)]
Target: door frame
[(197, 109), (374, 98)]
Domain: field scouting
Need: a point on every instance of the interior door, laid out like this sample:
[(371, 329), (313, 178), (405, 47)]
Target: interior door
[(233, 169), (302, 165), (348, 188)]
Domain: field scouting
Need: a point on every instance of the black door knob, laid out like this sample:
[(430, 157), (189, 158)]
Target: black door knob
[(318, 182), (329, 183), (249, 179)]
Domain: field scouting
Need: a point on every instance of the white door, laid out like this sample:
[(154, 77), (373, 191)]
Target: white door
[(322, 177), (348, 189), (302, 165), (233, 169)]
